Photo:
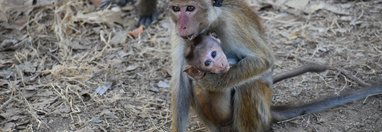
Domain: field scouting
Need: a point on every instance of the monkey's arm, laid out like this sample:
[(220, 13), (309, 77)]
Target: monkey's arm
[(147, 11), (182, 96), (181, 102), (247, 68), (298, 71)]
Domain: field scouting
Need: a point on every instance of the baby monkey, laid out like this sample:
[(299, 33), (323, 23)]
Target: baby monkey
[(204, 54)]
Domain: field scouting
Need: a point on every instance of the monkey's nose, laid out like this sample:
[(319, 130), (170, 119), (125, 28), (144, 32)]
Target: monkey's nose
[(223, 66)]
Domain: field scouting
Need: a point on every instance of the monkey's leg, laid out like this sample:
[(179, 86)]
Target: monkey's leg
[(252, 102), (147, 11), (298, 71)]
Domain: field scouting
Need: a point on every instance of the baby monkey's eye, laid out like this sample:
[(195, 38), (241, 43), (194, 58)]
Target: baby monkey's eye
[(175, 8), (207, 62), (213, 54), (190, 8)]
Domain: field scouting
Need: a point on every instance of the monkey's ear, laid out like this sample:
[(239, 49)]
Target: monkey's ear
[(214, 36), (193, 72)]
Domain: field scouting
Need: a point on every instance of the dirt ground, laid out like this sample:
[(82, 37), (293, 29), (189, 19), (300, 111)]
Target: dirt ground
[(66, 66)]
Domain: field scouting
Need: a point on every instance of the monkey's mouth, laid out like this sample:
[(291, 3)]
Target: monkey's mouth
[(226, 69), (190, 37)]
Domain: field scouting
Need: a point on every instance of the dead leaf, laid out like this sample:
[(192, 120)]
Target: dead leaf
[(104, 16), (8, 127), (3, 16), (154, 89), (64, 109), (322, 5), (118, 38), (27, 67), (42, 104), (102, 89), (14, 43), (3, 82), (28, 94), (336, 9), (10, 112), (16, 5), (136, 32), (297, 4), (45, 2), (77, 46), (131, 67), (122, 53), (108, 114), (6, 64), (96, 119), (20, 7), (8, 44), (21, 22), (293, 36), (86, 128), (163, 84)]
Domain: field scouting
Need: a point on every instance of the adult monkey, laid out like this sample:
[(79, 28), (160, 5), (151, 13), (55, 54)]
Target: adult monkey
[(240, 99), (241, 35)]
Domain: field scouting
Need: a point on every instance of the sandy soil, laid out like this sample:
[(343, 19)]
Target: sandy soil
[(54, 57)]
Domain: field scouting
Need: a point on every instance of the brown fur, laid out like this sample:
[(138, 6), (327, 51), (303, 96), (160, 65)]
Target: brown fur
[(147, 7), (240, 32)]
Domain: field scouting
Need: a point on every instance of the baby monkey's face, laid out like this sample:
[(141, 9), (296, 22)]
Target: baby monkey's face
[(209, 56)]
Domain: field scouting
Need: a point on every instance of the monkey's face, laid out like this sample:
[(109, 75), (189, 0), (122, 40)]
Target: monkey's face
[(191, 17), (211, 57), (214, 61)]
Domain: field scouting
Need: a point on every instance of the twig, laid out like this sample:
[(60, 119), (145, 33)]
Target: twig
[(352, 77), (54, 57), (6, 103), (33, 114), (364, 101)]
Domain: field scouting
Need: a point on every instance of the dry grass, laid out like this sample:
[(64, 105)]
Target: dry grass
[(53, 57)]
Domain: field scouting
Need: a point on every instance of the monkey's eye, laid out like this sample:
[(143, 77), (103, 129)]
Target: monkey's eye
[(207, 62), (190, 8), (175, 8), (213, 54)]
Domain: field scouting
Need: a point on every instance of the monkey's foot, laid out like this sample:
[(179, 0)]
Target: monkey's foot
[(147, 20)]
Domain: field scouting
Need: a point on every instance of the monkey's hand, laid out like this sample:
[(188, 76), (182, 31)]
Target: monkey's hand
[(193, 72), (247, 69)]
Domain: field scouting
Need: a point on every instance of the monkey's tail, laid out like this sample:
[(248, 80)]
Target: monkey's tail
[(280, 113), (301, 70)]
